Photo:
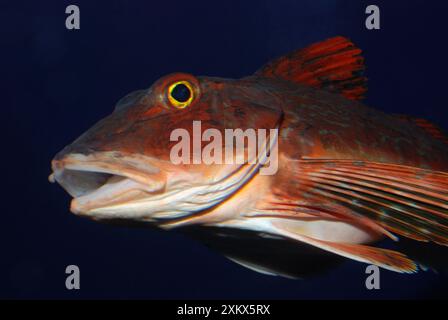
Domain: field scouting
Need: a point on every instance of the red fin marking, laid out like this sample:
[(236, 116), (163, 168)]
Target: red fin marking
[(334, 64)]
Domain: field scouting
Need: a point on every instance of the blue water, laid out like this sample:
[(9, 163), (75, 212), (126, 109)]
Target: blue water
[(57, 83)]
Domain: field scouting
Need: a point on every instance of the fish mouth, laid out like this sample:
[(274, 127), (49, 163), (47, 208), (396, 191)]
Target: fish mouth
[(103, 180), (134, 187)]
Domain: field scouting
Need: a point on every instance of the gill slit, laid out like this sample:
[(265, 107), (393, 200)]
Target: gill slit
[(248, 176)]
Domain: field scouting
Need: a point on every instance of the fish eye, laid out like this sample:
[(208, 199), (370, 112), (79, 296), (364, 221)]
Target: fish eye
[(180, 94)]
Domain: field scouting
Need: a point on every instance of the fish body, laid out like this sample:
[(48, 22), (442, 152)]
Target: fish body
[(346, 175)]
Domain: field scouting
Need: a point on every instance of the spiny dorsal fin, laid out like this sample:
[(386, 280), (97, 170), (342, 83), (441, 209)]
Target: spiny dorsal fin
[(334, 64), (426, 125)]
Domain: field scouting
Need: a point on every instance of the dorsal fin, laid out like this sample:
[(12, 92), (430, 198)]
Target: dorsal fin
[(426, 125), (334, 64)]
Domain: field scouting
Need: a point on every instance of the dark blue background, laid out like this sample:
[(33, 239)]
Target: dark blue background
[(56, 83)]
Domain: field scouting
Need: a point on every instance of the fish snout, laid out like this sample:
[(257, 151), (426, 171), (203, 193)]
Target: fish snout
[(101, 180)]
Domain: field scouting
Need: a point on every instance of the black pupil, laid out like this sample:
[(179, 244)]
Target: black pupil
[(181, 93)]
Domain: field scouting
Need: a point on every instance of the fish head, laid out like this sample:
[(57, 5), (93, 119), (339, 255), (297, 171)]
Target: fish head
[(122, 167)]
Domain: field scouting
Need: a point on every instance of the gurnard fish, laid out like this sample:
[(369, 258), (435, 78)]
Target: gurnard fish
[(348, 175)]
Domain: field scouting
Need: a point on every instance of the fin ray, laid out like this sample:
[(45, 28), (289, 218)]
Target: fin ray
[(402, 200), (334, 65)]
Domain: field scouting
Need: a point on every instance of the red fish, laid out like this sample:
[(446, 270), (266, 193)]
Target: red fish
[(348, 175)]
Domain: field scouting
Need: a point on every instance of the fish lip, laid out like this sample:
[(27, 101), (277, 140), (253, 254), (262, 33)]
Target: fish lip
[(96, 170)]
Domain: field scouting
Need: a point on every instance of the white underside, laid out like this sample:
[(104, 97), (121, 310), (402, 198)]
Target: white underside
[(331, 231)]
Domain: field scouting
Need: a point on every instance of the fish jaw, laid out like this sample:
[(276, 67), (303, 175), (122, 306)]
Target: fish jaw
[(113, 186), (106, 179)]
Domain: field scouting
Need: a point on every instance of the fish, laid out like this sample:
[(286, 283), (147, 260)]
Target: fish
[(348, 176)]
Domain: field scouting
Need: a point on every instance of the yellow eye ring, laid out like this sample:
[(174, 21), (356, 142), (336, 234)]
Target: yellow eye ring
[(180, 94)]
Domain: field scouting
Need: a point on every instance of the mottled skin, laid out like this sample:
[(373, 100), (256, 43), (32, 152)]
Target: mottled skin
[(323, 125)]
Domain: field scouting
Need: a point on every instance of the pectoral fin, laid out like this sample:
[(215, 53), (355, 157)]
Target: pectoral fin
[(391, 199), (379, 199), (266, 254), (386, 259)]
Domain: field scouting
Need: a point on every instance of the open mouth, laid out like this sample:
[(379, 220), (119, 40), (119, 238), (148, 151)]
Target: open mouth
[(97, 181)]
